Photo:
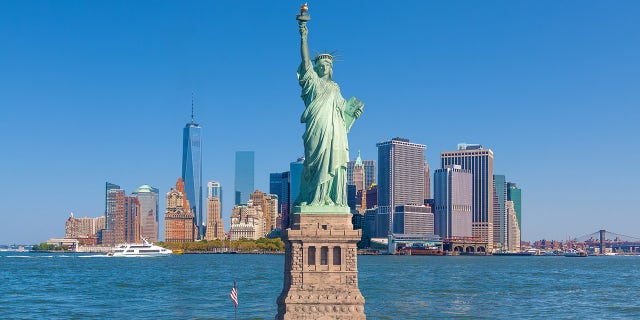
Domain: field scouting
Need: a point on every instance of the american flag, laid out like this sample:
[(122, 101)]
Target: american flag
[(234, 294)]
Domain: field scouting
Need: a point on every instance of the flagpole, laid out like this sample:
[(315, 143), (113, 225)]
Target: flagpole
[(234, 297)]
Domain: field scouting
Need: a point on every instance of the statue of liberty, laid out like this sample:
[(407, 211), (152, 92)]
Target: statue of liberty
[(327, 118)]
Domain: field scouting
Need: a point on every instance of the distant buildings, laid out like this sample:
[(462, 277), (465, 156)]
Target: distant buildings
[(255, 219), (479, 161), (122, 218), (369, 170), (453, 199), (179, 218), (360, 175), (246, 222), (371, 197), (268, 205), (83, 229), (244, 176), (192, 169), (148, 198)]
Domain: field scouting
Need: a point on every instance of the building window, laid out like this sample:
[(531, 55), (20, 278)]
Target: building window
[(337, 256), (324, 255), (312, 255)]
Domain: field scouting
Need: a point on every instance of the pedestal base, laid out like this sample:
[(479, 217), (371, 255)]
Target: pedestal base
[(321, 269)]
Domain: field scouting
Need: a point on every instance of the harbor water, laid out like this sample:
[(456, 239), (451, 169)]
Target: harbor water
[(92, 286)]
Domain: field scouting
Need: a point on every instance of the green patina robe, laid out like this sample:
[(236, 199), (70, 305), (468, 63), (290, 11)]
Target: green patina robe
[(326, 149)]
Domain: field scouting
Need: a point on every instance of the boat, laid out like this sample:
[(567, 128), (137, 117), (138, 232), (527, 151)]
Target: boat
[(421, 251), (145, 249), (575, 253), (505, 253)]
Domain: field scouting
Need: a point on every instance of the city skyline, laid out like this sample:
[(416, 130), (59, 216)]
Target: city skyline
[(104, 89)]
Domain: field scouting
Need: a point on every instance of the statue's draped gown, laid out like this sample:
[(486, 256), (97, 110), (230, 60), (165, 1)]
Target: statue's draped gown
[(326, 149)]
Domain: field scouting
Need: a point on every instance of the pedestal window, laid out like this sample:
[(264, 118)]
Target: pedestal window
[(311, 256), (324, 256), (337, 256)]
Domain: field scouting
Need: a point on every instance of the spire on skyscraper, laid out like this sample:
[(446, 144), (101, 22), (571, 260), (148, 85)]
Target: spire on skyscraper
[(192, 107)]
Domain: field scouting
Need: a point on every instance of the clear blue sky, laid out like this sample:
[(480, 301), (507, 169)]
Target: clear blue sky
[(95, 91)]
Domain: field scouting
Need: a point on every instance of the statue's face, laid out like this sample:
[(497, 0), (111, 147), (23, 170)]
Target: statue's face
[(323, 67)]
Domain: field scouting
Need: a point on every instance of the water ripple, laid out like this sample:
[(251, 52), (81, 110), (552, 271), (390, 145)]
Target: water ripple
[(197, 287)]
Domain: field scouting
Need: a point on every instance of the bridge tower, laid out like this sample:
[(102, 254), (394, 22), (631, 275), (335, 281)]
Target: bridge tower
[(603, 234)]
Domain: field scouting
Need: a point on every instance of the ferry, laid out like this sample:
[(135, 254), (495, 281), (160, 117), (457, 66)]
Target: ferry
[(421, 251), (145, 249), (575, 253)]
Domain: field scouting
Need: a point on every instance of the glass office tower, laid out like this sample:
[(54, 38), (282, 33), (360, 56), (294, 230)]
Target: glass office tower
[(192, 171), (244, 177), (515, 194)]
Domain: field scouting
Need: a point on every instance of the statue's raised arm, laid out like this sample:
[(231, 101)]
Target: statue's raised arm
[(304, 47)]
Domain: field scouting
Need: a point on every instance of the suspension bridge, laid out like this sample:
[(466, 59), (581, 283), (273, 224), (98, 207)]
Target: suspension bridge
[(604, 239)]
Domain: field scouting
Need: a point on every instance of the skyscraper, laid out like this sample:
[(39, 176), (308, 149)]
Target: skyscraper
[(400, 176), (453, 195), (295, 173), (115, 232), (369, 167), (148, 198), (515, 194), (214, 189), (356, 186), (279, 185), (479, 161), (132, 220), (357, 174), (192, 169), (179, 221), (215, 224), (500, 225), (400, 172), (412, 219), (108, 186), (244, 177), (513, 234), (427, 180)]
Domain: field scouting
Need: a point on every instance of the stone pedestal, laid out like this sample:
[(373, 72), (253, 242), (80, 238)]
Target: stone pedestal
[(321, 268)]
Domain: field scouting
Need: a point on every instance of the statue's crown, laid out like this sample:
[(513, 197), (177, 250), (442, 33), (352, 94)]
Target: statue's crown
[(323, 56)]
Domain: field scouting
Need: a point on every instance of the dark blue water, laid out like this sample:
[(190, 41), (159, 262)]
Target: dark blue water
[(55, 286)]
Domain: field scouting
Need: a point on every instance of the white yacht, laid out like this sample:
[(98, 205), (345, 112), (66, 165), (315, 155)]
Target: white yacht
[(145, 249)]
